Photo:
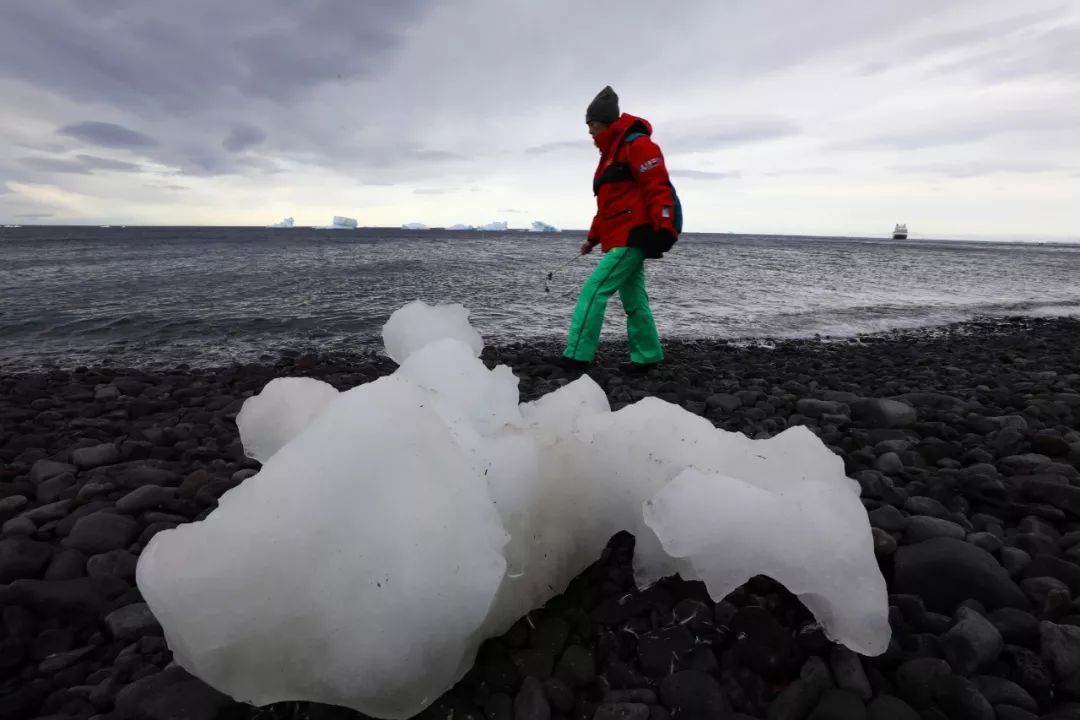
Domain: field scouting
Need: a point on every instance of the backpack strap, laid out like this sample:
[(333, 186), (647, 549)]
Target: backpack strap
[(631, 137)]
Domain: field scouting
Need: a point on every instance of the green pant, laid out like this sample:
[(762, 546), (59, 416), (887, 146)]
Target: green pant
[(621, 269)]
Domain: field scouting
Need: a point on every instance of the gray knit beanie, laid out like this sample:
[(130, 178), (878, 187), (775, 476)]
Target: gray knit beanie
[(604, 107)]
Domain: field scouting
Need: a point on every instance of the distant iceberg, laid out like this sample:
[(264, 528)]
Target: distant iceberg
[(543, 227), (286, 223), (414, 226), (339, 223), (497, 226)]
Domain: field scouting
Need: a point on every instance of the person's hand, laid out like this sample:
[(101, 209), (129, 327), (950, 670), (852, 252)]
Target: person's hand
[(586, 247)]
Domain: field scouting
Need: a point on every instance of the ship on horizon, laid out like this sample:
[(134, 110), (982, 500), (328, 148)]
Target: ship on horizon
[(900, 232)]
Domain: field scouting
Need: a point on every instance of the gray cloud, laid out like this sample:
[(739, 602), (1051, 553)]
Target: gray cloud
[(243, 136), (129, 53), (1052, 53), (555, 147), (706, 174), (167, 186), (977, 169), (992, 31), (60, 165), (709, 134), (803, 171), (426, 155), (79, 165), (969, 129), (107, 135), (873, 68), (35, 216)]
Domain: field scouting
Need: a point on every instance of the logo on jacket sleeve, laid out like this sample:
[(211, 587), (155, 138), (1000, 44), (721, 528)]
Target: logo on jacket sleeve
[(648, 165)]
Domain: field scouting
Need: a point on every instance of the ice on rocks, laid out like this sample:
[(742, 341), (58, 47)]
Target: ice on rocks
[(395, 526), (277, 414), (418, 324)]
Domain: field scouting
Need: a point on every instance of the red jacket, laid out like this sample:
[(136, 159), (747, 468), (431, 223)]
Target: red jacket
[(635, 204)]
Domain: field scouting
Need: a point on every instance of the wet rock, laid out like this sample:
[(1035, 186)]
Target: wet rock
[(559, 695), (723, 401), (1048, 595), (140, 475), (145, 497), (1060, 649), (170, 695), (889, 463), (622, 711), (132, 622), (1028, 670), (921, 528), (1059, 495), (22, 558), (114, 564), (96, 456), (101, 532), (887, 707), (999, 691), (20, 527), (1011, 712), (921, 505), (1015, 561), (883, 413), (81, 597), (1049, 566), (694, 695), (839, 705), (52, 641), (960, 699), (1017, 627), (884, 543), (763, 644), (915, 680), (530, 702), (985, 541), (973, 643), (48, 513), (849, 674), (813, 408), (888, 518), (946, 571), (576, 667), (43, 470), (660, 649)]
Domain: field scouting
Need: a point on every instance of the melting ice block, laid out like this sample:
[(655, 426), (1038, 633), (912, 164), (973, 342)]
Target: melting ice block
[(395, 526)]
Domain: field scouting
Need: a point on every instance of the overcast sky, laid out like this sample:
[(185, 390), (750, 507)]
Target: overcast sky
[(960, 118)]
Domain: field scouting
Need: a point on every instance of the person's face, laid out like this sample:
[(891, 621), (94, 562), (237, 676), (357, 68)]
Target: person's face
[(595, 126)]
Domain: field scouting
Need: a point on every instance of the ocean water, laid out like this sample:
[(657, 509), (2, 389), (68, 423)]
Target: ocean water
[(152, 297)]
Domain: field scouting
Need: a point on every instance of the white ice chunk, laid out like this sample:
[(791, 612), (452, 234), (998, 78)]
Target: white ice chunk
[(395, 526), (280, 412), (418, 324), (811, 537), (355, 569)]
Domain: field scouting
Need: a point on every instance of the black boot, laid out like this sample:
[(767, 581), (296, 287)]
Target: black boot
[(633, 368)]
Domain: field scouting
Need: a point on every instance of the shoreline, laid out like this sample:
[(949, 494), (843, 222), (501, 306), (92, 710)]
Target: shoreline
[(974, 501), (369, 347)]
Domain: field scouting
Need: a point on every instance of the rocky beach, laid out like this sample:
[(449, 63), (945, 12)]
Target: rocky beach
[(965, 441)]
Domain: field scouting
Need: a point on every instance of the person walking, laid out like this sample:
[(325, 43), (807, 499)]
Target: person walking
[(638, 217)]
